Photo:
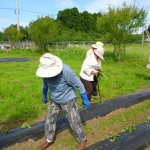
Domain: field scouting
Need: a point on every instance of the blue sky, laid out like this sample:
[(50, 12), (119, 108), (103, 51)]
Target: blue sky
[(31, 9)]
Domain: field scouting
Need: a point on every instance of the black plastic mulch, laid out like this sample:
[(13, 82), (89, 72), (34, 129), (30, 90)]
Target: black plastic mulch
[(138, 139), (14, 59), (37, 130)]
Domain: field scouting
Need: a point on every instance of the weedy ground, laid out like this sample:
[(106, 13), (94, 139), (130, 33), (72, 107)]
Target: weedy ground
[(20, 91)]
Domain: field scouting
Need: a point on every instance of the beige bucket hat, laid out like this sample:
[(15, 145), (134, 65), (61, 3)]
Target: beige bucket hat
[(98, 45), (100, 52), (50, 66)]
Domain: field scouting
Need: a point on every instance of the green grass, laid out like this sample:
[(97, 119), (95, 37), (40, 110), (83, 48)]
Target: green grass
[(20, 88)]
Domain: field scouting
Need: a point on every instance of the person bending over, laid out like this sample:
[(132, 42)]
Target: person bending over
[(61, 82)]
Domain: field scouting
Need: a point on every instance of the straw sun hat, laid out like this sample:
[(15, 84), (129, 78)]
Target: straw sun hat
[(50, 66)]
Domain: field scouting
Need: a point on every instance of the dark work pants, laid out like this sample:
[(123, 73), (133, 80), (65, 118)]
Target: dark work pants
[(94, 83), (88, 87)]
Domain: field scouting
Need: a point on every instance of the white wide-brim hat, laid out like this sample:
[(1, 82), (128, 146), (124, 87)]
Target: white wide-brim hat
[(95, 46), (100, 52), (50, 66), (98, 45)]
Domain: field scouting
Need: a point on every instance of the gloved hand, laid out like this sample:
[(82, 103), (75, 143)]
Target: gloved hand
[(44, 95), (85, 101), (99, 69), (95, 72)]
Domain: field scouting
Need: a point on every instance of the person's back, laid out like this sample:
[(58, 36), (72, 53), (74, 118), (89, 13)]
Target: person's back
[(89, 52), (62, 86)]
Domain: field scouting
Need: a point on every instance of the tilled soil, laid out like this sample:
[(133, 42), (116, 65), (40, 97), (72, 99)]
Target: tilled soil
[(96, 129)]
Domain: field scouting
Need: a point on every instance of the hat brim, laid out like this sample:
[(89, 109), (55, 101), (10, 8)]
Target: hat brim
[(94, 46), (100, 56), (50, 71)]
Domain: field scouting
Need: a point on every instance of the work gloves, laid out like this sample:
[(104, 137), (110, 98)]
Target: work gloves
[(85, 101), (44, 95), (96, 71)]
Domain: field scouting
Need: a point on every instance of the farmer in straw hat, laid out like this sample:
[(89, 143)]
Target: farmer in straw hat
[(60, 79), (90, 68), (88, 53)]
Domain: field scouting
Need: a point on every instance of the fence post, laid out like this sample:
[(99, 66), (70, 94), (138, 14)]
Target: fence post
[(57, 46)]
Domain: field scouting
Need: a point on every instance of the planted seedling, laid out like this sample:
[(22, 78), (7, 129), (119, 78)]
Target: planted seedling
[(25, 125), (148, 120), (113, 138), (131, 129)]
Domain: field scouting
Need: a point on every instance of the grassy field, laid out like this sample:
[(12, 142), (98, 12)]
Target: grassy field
[(20, 88)]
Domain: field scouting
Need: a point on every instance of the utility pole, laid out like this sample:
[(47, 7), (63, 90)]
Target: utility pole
[(18, 26), (17, 14)]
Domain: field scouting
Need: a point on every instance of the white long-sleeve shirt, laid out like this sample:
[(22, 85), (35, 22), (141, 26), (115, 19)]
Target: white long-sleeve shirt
[(89, 52), (88, 65)]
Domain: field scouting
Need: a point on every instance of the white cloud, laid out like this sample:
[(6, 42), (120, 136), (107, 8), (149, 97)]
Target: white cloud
[(24, 24), (97, 5), (63, 4), (5, 21)]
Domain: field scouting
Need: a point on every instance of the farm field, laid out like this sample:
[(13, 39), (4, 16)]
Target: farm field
[(96, 129), (20, 93)]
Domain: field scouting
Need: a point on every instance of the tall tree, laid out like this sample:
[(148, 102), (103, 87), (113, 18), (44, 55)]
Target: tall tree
[(1, 36), (24, 31), (119, 23), (11, 33), (88, 22), (70, 18), (148, 29), (43, 31)]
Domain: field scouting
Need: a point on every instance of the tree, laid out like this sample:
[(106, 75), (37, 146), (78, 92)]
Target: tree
[(84, 22), (24, 31), (70, 18), (67, 34), (88, 22), (12, 34), (1, 36), (148, 29), (119, 23), (43, 31)]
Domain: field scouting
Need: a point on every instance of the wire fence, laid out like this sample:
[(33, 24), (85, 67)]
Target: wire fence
[(53, 45), (19, 45)]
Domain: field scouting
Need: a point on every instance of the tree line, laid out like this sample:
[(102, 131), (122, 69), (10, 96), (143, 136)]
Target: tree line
[(117, 26)]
